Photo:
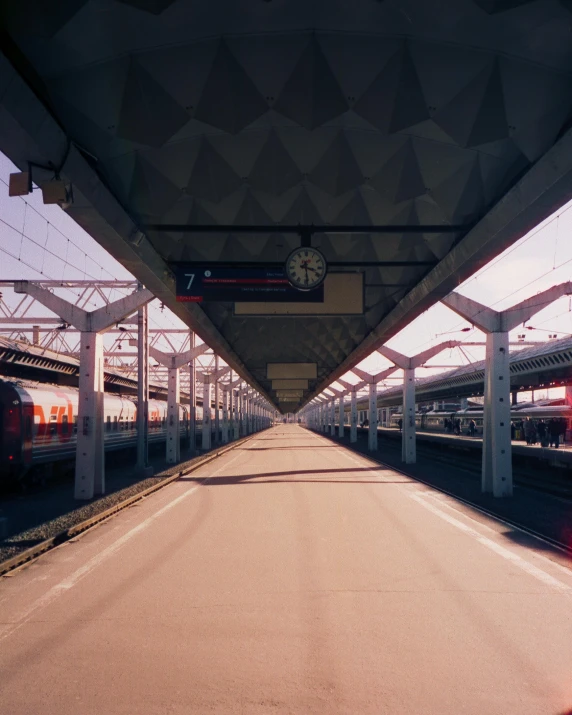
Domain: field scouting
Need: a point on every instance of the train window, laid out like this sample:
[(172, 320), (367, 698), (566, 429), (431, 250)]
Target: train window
[(75, 424), (108, 424), (65, 424), (53, 424), (115, 424)]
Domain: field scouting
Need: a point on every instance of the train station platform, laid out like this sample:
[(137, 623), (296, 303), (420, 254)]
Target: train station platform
[(291, 575), (560, 456)]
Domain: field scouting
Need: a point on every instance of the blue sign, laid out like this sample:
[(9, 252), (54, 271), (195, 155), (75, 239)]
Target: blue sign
[(201, 283)]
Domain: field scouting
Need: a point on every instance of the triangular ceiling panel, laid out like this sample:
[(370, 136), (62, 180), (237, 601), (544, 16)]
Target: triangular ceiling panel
[(537, 104), (97, 92), (152, 194), (39, 17), (337, 171), (156, 7), (229, 100), (356, 61), (493, 6), (251, 212), (477, 114), (303, 210), (212, 178), (169, 66), (269, 65), (394, 101), (148, 114), (176, 160), (274, 171), (186, 211), (400, 178), (311, 95), (460, 196)]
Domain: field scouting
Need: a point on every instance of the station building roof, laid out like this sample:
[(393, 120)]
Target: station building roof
[(400, 113), (544, 365)]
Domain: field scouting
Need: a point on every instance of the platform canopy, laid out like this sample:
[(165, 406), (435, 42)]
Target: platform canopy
[(419, 115)]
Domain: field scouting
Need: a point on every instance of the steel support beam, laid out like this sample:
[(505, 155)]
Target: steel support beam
[(372, 429), (90, 455), (206, 432), (217, 405), (225, 398), (192, 397), (408, 365), (143, 390), (173, 422)]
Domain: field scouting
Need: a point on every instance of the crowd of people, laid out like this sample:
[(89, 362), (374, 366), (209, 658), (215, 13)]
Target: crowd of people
[(549, 434)]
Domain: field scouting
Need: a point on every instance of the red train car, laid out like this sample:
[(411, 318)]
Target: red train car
[(38, 426)]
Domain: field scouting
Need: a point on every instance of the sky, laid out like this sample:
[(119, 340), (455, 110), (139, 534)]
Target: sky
[(42, 242)]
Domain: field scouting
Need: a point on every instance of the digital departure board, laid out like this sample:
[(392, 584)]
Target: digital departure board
[(198, 283)]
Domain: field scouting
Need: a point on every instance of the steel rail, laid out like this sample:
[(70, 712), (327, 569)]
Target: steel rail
[(24, 557)]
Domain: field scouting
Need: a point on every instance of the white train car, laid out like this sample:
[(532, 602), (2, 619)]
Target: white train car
[(39, 423)]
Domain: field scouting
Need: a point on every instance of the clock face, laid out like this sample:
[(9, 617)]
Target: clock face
[(306, 268)]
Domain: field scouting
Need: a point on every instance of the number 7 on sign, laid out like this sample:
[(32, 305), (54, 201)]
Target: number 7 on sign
[(191, 276)]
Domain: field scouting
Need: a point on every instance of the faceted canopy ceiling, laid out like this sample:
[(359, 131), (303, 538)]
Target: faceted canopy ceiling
[(280, 112)]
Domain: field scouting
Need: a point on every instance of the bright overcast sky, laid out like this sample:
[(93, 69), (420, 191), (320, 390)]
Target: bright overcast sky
[(42, 242)]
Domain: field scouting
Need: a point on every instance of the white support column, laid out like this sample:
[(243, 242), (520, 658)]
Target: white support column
[(90, 462), (236, 416), (142, 389), (372, 430), (371, 380), (231, 407), (173, 362), (333, 417), (217, 404), (206, 441), (249, 415), (173, 426), (225, 397), (341, 427), (408, 365), (90, 455), (243, 410), (353, 417), (192, 397), (497, 448), (408, 439)]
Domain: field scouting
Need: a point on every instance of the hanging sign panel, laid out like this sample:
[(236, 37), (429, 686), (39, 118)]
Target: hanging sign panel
[(203, 283)]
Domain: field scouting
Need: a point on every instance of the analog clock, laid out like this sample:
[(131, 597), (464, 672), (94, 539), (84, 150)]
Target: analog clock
[(306, 268)]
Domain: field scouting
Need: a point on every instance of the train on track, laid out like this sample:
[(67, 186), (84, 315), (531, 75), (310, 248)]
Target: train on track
[(38, 426), (438, 420)]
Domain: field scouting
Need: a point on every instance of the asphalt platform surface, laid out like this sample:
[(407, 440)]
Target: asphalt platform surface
[(290, 575)]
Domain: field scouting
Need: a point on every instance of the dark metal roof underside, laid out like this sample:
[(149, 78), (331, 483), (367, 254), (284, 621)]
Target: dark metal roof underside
[(399, 112)]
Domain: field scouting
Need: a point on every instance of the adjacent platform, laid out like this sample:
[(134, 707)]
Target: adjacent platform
[(291, 576)]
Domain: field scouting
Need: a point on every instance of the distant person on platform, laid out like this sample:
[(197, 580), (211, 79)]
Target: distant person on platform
[(553, 433), (400, 424), (472, 428), (529, 431), (541, 432)]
